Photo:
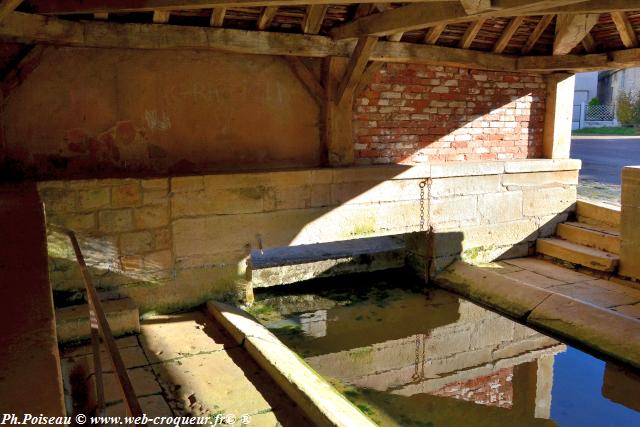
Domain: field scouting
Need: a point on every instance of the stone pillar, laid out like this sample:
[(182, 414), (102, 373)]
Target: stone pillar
[(558, 116), (630, 223)]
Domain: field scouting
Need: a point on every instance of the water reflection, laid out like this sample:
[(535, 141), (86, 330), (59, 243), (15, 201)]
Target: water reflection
[(411, 358)]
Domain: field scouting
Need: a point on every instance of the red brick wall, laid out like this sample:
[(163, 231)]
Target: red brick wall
[(419, 113)]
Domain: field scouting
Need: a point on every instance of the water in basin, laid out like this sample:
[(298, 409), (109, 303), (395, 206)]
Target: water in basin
[(413, 357)]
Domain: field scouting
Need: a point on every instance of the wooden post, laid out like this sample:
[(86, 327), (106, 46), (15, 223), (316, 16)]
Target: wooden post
[(338, 115), (629, 221), (558, 116)]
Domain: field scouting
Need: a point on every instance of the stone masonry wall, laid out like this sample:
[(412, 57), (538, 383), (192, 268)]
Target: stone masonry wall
[(417, 113), (175, 242)]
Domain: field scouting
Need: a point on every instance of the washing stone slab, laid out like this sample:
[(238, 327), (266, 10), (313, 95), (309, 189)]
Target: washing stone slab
[(610, 333), (507, 295), (323, 404), (607, 331), (290, 264)]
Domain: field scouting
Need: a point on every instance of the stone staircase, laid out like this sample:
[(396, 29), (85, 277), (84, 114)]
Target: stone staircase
[(592, 241)]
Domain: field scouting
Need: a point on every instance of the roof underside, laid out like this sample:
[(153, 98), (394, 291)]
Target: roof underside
[(500, 26)]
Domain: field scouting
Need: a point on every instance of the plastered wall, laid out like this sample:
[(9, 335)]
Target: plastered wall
[(104, 112)]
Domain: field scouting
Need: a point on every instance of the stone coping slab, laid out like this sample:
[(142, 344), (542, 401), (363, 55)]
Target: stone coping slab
[(301, 254), (606, 331), (313, 394), (342, 174)]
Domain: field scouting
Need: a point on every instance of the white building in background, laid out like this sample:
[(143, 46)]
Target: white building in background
[(604, 87), (612, 83), (586, 87)]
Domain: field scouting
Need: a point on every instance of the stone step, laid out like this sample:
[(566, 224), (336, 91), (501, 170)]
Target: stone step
[(598, 213), (72, 323), (279, 266), (577, 254), (605, 239)]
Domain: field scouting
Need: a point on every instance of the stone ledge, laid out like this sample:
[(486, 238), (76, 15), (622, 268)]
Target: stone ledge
[(542, 165), (72, 323), (330, 175), (313, 394), (606, 331)]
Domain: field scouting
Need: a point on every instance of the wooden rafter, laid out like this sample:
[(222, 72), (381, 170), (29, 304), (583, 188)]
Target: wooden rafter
[(313, 18), (28, 28), (571, 30), (217, 16), (308, 79), (473, 7), (422, 15), (508, 33), (371, 70), (101, 16), (627, 33), (596, 6), (542, 26), (8, 6), (434, 33), (589, 44), (471, 33), (161, 17), (355, 68), (65, 7), (266, 17)]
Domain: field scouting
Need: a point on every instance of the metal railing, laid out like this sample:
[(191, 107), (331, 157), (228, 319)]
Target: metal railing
[(100, 329)]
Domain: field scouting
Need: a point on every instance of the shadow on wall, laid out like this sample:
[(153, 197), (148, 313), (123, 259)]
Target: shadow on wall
[(174, 243)]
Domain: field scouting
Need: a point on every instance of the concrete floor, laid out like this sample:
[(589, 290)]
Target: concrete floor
[(186, 365), (609, 294), (602, 161)]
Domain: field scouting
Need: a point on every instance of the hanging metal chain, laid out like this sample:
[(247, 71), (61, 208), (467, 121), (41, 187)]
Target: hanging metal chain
[(416, 373), (422, 185)]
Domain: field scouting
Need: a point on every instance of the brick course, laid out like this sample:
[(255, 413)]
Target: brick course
[(413, 113)]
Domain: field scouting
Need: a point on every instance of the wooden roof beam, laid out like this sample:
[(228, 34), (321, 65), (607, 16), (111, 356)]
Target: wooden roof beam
[(423, 15), (7, 7), (589, 43), (542, 26), (434, 33), (161, 17), (29, 28), (312, 22), (594, 6), (308, 79), (627, 33), (266, 17), (470, 34), (508, 33), (571, 30), (67, 7), (217, 16), (473, 7), (356, 67), (64, 7)]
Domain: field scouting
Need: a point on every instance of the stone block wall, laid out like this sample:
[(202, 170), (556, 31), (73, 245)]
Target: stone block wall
[(418, 113), (175, 242)]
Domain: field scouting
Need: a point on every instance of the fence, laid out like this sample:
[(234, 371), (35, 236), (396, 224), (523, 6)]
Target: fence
[(593, 116)]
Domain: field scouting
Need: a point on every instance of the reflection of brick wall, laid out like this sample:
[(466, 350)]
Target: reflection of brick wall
[(495, 389), (418, 113)]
